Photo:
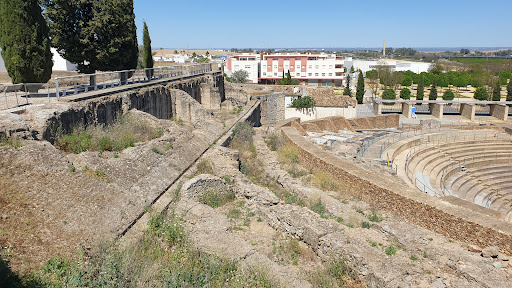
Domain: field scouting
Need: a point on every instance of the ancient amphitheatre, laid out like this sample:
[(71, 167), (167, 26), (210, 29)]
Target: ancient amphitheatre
[(301, 202)]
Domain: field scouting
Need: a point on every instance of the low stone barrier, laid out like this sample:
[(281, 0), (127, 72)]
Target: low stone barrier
[(418, 208)]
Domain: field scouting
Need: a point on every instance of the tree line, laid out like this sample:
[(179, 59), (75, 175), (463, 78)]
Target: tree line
[(94, 34)]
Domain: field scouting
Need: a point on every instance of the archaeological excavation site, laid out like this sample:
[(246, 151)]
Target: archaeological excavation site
[(198, 182)]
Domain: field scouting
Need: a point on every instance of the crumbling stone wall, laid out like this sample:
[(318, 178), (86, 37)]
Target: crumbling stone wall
[(155, 101), (376, 122), (429, 212), (272, 108)]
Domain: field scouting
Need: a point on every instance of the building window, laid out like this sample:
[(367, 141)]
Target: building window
[(298, 67), (323, 66), (316, 66), (280, 67), (316, 74), (338, 74), (236, 66), (275, 74), (264, 73), (330, 66), (285, 66), (310, 66), (323, 74), (304, 67), (247, 66), (275, 66), (330, 74), (310, 74), (298, 74), (264, 66)]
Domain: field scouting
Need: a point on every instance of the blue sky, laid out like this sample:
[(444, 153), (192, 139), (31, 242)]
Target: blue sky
[(328, 23)]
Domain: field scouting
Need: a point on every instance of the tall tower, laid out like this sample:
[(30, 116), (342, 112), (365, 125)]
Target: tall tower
[(384, 50)]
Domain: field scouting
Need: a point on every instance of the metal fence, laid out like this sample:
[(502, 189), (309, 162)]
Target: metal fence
[(71, 85), (19, 94), (31, 93)]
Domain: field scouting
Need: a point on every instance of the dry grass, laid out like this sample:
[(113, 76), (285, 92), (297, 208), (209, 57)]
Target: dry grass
[(325, 181)]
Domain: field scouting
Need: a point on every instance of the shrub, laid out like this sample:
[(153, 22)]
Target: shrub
[(318, 207), (390, 251), (204, 167), (274, 142), (481, 94), (366, 225), (389, 94), (325, 181), (335, 274), (288, 154), (13, 142), (157, 151), (448, 95), (405, 94)]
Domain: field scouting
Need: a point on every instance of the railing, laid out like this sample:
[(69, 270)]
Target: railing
[(13, 93), (92, 82)]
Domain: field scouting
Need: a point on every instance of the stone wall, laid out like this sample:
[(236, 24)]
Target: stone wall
[(376, 122), (420, 209), (272, 108)]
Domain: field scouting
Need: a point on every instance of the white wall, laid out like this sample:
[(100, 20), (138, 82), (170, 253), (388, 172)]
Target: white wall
[(61, 64), (320, 112), (2, 64)]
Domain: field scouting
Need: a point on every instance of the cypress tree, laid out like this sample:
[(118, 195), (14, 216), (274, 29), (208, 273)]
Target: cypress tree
[(496, 93), (24, 40), (147, 52), (509, 90), (347, 90), (433, 91), (421, 88), (360, 88)]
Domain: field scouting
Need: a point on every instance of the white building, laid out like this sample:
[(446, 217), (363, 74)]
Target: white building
[(177, 58), (245, 61), (311, 69), (59, 63), (367, 65)]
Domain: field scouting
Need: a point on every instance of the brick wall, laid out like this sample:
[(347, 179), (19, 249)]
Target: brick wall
[(418, 208)]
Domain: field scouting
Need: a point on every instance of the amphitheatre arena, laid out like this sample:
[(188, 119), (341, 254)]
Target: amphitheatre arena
[(368, 201)]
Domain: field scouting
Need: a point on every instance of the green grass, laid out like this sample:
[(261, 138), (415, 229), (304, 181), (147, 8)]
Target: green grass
[(124, 133), (318, 207), (157, 151), (481, 61), (163, 257), (366, 225), (216, 198), (374, 217), (274, 142), (13, 142)]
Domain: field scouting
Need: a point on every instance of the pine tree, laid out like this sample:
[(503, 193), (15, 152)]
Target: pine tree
[(421, 88), (509, 90), (147, 52), (95, 34), (496, 93), (24, 40), (360, 88), (433, 91)]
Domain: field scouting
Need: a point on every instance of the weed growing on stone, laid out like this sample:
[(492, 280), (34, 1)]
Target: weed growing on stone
[(216, 198), (374, 217), (273, 142), (13, 142), (157, 151), (288, 154), (365, 225), (124, 133), (164, 245), (413, 257), (334, 274), (325, 181), (318, 207), (204, 167), (390, 251)]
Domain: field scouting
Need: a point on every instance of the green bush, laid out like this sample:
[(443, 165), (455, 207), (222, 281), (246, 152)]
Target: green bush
[(448, 95), (405, 94), (366, 225), (288, 154), (390, 251), (389, 94), (481, 94), (305, 102), (216, 198)]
